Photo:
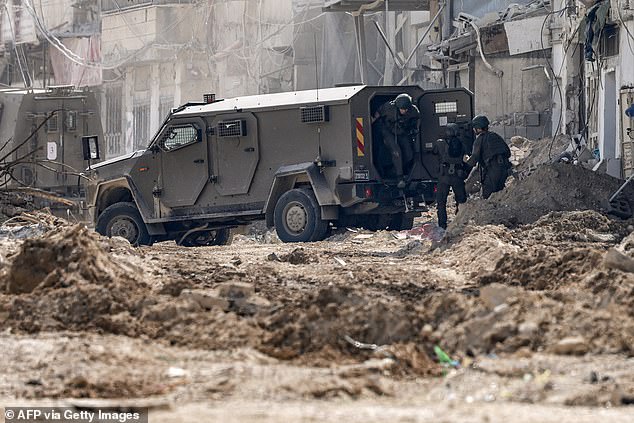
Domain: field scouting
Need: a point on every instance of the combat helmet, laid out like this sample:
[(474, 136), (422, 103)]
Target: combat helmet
[(480, 122), (403, 101)]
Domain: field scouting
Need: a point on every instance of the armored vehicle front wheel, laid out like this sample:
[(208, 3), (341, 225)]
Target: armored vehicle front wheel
[(206, 238), (298, 217), (124, 220)]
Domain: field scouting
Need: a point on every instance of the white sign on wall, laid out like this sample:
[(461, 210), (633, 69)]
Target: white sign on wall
[(51, 151)]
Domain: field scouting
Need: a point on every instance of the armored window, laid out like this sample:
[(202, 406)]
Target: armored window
[(179, 136), (314, 114), (232, 128), (70, 121), (51, 124), (446, 107)]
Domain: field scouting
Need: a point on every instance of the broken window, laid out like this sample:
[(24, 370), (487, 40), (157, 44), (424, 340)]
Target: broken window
[(609, 45)]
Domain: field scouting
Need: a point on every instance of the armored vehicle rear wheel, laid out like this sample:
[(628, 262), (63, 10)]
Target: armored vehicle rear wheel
[(207, 238), (298, 217), (124, 220)]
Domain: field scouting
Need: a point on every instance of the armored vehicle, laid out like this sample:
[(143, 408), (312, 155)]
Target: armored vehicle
[(303, 161), (41, 135)]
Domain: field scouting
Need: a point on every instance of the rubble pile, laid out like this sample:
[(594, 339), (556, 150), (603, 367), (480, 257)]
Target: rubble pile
[(13, 203), (554, 187)]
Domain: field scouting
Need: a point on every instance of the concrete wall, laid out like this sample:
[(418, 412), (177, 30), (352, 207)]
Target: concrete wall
[(519, 102)]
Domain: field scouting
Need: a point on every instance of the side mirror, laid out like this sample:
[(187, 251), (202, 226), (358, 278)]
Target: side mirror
[(90, 147)]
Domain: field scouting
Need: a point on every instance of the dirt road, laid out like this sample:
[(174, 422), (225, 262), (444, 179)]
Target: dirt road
[(539, 319)]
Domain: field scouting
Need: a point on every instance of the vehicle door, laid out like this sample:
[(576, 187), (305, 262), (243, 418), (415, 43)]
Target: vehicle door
[(235, 152), (184, 162), (439, 108)]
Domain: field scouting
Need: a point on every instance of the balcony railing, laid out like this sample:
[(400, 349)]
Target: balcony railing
[(113, 6)]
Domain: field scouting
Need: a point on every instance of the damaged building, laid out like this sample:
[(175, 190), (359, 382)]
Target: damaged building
[(538, 68)]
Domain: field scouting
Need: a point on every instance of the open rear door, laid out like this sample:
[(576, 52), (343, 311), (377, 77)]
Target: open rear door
[(438, 108)]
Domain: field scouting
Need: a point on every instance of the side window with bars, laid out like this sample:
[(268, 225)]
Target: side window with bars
[(179, 136), (232, 128), (70, 121), (52, 124)]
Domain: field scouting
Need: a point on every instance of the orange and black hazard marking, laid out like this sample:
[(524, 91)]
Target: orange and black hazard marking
[(360, 138)]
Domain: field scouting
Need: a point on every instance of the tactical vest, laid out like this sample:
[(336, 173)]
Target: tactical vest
[(493, 146), (449, 166), (397, 123)]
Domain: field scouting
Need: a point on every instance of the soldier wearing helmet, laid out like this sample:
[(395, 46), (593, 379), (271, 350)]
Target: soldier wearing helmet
[(491, 154), (399, 125), (452, 171)]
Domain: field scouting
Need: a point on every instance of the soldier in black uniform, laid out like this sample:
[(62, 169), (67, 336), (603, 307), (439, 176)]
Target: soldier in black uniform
[(452, 172), (492, 155), (399, 126)]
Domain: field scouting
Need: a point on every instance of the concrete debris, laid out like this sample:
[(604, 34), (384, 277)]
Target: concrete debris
[(571, 346), (207, 299), (496, 294), (616, 260)]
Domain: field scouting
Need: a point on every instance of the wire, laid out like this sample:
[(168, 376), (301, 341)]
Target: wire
[(555, 77), (629, 34), (72, 56), (15, 45)]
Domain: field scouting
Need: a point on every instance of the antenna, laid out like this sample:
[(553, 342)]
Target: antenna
[(316, 69), (318, 160)]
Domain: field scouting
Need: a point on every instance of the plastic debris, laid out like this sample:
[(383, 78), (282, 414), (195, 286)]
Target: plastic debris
[(444, 358)]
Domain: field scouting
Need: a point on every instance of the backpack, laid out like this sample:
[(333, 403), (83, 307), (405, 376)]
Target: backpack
[(455, 148)]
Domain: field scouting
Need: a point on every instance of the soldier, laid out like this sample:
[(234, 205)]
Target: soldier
[(399, 126), (492, 154), (452, 172)]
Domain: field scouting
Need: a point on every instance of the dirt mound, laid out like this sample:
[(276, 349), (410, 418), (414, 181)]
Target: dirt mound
[(538, 152), (73, 279), (335, 323), (555, 187), (68, 257)]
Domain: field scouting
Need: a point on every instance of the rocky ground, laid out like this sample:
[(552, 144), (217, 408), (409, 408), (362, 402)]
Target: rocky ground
[(522, 313)]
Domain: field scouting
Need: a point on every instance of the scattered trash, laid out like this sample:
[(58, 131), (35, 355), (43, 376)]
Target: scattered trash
[(428, 231), (340, 261), (444, 358), (372, 347), (174, 372)]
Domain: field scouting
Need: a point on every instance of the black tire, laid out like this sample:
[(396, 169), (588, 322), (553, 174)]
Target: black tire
[(297, 217), (401, 222), (221, 236), (124, 220), (373, 222)]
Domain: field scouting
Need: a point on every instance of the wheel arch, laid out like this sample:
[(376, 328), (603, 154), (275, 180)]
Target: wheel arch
[(111, 192), (294, 176)]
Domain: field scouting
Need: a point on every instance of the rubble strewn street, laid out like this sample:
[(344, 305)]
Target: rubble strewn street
[(528, 319)]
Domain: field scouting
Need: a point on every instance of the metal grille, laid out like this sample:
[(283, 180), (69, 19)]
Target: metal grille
[(165, 107), (314, 114), (141, 124), (232, 128), (52, 124), (113, 120), (446, 107), (179, 136), (70, 121)]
